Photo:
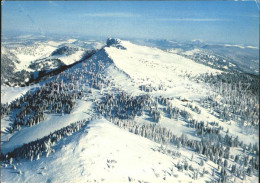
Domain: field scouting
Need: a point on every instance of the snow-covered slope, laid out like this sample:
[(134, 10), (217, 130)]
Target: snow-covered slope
[(102, 153), (8, 94), (27, 54), (163, 73), (139, 61), (130, 113)]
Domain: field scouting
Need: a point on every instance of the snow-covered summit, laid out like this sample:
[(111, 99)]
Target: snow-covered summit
[(113, 41)]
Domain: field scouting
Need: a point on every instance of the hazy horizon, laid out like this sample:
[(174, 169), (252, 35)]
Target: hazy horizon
[(227, 22)]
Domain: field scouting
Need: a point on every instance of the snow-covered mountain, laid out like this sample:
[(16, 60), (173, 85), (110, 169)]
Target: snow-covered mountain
[(131, 113), (37, 57)]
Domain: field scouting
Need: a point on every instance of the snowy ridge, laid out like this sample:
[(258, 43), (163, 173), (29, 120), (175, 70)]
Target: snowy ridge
[(133, 55), (162, 71), (114, 156)]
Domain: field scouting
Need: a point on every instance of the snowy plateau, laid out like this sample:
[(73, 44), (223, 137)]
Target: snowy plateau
[(125, 111)]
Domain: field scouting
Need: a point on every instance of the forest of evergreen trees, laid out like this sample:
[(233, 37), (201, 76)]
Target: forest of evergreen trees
[(239, 97), (41, 147), (216, 147)]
